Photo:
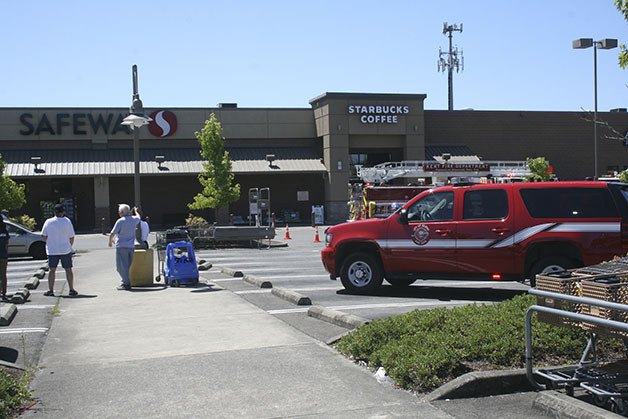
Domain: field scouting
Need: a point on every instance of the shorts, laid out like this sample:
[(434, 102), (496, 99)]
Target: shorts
[(66, 261)]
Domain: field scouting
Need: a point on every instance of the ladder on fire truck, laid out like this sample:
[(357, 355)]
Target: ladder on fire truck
[(442, 170)]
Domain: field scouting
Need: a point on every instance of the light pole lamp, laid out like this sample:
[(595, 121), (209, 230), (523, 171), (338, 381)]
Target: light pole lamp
[(582, 43), (136, 119)]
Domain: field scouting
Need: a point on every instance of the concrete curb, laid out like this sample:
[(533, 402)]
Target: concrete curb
[(336, 317), (257, 282), (32, 283), (40, 274), (7, 313), (292, 296), (482, 384), (562, 406), (232, 272)]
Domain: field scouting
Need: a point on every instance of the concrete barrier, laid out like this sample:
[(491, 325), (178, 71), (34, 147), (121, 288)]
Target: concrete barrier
[(32, 283), (205, 266), (40, 274), (7, 313), (292, 296), (336, 317), (20, 296), (257, 282), (232, 272)]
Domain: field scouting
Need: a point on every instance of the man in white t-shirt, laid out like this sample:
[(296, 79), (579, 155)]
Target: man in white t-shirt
[(59, 235)]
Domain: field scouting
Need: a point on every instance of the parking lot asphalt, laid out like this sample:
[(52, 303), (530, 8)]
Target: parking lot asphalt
[(206, 352)]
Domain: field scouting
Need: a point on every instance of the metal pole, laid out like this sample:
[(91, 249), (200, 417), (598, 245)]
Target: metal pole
[(595, 170), (136, 170), (450, 75)]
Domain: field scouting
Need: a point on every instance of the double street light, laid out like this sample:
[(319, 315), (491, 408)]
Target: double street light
[(136, 119), (583, 43)]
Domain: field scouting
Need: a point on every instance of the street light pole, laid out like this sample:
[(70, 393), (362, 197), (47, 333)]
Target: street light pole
[(135, 120), (606, 43)]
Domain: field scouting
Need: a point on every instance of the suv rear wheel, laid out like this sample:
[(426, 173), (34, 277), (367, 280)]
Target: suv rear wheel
[(548, 265), (361, 273)]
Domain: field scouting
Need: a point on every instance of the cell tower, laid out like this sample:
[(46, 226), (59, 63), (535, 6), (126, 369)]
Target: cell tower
[(451, 60)]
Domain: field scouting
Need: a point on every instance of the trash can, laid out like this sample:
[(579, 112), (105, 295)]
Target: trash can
[(141, 273)]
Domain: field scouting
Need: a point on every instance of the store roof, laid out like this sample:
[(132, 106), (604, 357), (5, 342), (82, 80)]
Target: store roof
[(119, 162)]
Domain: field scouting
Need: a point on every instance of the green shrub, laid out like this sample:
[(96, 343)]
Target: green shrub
[(423, 349), (14, 393), (192, 220), (26, 221)]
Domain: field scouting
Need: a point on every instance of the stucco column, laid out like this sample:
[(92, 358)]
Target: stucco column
[(336, 157), (101, 204)]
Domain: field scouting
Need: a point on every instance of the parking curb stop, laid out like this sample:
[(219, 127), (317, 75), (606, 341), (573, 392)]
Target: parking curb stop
[(257, 282), (232, 272), (7, 313), (32, 283), (336, 317), (292, 296), (40, 274)]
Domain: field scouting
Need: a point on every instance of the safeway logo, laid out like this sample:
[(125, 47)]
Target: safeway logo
[(164, 124)]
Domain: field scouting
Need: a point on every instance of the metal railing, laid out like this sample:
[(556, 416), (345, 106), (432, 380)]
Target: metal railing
[(612, 324)]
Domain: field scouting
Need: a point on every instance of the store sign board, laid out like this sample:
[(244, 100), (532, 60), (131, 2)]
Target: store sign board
[(378, 114), (164, 123)]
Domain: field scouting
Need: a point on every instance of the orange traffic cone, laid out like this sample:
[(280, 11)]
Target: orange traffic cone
[(316, 238), (287, 237)]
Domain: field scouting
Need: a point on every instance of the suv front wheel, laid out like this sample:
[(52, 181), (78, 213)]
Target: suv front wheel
[(548, 265), (361, 273)]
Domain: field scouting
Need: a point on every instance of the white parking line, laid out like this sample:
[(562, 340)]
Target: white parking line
[(33, 306), (292, 276), (383, 305), (24, 330), (264, 291)]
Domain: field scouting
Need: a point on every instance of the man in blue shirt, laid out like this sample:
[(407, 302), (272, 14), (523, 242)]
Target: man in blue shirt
[(124, 230)]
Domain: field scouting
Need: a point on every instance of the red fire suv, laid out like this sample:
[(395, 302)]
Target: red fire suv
[(508, 231)]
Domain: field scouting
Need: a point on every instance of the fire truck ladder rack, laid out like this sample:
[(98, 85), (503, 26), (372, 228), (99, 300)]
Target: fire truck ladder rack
[(384, 172)]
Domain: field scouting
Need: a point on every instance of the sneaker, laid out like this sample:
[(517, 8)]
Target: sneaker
[(123, 288), (73, 293), (49, 293)]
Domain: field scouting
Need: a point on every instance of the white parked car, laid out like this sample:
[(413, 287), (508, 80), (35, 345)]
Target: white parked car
[(25, 242)]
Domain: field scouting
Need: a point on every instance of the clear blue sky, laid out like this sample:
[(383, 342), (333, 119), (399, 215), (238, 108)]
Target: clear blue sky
[(518, 55)]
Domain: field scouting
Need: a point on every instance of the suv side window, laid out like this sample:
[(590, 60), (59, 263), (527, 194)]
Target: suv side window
[(569, 202), (437, 206), (488, 204)]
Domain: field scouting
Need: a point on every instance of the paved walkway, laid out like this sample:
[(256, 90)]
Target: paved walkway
[(194, 352)]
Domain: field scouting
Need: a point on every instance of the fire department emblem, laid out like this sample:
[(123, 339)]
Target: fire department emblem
[(421, 234)]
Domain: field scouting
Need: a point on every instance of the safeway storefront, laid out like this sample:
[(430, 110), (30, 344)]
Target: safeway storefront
[(84, 157)]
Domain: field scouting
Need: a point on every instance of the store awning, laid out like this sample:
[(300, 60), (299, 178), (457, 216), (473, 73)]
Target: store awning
[(119, 162)]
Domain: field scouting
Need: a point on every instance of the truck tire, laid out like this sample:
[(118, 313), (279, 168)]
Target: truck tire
[(361, 273), (401, 282), (548, 265)]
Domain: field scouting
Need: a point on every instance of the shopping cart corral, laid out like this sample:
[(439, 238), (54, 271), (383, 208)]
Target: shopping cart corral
[(176, 258), (607, 384)]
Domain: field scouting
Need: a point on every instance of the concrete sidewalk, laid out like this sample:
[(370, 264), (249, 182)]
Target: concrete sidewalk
[(193, 352)]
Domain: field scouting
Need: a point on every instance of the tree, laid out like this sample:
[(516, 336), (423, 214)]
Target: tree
[(217, 178), (540, 169), (623, 176), (12, 195)]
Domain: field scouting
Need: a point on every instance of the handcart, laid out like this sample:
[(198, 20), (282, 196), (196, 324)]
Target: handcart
[(176, 260)]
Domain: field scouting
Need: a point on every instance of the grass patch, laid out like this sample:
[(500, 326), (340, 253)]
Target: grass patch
[(423, 349), (14, 392)]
